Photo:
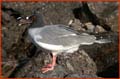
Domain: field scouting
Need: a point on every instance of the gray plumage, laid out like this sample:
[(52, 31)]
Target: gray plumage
[(58, 38)]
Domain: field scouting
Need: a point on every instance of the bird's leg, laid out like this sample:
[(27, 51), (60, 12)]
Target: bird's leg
[(50, 67)]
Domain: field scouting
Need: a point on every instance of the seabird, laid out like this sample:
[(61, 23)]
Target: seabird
[(56, 38)]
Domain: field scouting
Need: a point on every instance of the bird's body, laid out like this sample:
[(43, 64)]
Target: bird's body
[(56, 38), (59, 38)]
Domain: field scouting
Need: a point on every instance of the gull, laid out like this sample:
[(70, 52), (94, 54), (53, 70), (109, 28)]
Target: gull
[(57, 38)]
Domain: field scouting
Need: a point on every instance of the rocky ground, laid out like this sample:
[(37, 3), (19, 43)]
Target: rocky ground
[(22, 59)]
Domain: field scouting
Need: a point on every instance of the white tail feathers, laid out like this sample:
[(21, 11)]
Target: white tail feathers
[(102, 41)]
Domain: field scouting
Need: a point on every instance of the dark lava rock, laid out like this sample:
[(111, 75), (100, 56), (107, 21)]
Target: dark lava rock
[(108, 11), (54, 12), (110, 72), (78, 62)]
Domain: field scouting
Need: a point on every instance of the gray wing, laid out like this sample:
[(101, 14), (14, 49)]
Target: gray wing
[(60, 35)]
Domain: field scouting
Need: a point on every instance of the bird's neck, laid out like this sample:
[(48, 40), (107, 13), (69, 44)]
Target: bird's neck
[(38, 22)]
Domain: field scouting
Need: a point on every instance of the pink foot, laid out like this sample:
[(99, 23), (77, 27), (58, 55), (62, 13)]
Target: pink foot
[(47, 68)]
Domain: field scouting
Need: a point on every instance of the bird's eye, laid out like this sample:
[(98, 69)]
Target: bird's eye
[(27, 17)]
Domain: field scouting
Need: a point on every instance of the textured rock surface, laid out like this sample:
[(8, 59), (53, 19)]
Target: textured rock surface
[(78, 62), (107, 11)]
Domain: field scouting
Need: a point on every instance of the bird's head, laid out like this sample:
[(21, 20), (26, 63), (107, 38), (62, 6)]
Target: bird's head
[(26, 20), (36, 20)]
